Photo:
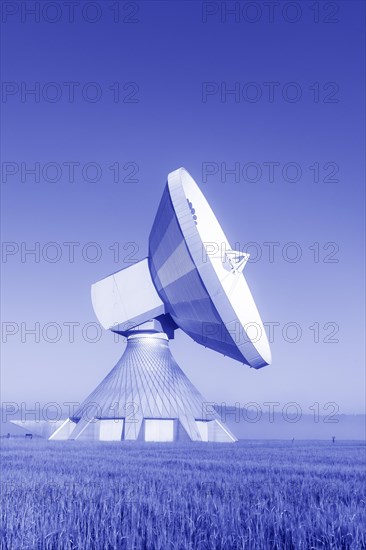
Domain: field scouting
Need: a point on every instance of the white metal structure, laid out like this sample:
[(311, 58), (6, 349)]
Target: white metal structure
[(193, 280)]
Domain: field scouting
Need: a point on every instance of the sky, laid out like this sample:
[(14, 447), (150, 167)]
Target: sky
[(263, 105)]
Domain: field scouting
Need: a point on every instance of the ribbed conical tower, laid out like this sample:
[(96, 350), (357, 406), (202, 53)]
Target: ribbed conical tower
[(146, 396)]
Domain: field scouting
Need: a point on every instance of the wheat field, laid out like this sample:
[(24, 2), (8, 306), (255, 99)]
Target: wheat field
[(250, 495)]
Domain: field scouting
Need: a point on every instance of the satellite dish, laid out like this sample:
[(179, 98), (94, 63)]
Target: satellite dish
[(192, 280), (199, 277)]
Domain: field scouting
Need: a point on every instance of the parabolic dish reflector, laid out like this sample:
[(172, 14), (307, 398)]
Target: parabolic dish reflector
[(199, 277)]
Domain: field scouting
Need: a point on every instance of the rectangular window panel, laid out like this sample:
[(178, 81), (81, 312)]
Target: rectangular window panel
[(203, 429), (159, 430), (111, 430)]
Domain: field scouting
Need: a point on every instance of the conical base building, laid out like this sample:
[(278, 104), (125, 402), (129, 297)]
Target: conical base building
[(145, 397)]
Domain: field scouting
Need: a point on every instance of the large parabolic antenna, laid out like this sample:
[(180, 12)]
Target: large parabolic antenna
[(192, 280)]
